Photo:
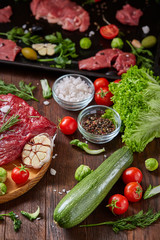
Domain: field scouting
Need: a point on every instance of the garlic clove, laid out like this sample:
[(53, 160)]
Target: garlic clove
[(37, 46), (50, 51), (42, 51)]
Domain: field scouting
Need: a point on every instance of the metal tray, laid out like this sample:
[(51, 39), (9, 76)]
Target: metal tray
[(22, 15)]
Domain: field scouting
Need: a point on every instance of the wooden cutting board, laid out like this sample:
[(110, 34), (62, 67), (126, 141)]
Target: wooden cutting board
[(15, 190)]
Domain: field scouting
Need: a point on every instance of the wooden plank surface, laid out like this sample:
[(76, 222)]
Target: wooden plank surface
[(66, 162)]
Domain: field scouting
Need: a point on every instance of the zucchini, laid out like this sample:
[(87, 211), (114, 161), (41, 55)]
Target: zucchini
[(90, 191)]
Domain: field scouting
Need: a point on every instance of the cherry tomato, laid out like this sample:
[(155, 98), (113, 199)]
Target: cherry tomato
[(20, 174), (103, 96), (117, 80), (133, 191), (118, 204), (132, 174), (100, 82), (109, 31), (68, 125)]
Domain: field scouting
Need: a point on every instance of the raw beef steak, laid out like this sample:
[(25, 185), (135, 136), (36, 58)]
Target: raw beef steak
[(124, 61), (31, 124), (129, 15), (8, 50), (5, 14), (63, 12)]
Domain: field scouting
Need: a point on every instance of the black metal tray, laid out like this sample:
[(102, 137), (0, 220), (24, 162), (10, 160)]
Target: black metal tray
[(22, 15)]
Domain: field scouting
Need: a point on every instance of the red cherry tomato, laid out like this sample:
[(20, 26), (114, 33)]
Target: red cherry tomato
[(109, 31), (133, 191), (118, 204), (20, 174), (132, 174), (103, 96), (117, 80), (100, 82), (68, 125)]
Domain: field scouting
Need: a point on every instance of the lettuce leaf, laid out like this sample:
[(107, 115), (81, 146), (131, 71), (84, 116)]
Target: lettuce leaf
[(137, 100)]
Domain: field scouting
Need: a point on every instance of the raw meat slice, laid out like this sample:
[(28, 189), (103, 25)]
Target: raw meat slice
[(124, 61), (8, 49), (63, 12), (5, 14), (31, 124), (129, 15), (102, 59)]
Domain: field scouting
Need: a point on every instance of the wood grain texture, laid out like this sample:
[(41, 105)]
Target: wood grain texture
[(46, 192)]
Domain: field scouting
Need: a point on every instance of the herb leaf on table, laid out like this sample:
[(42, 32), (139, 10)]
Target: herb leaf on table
[(16, 221), (25, 91), (140, 219), (151, 191)]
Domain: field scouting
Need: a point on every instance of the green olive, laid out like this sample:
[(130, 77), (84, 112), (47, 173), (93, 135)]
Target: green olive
[(29, 53), (149, 41), (85, 43), (151, 164)]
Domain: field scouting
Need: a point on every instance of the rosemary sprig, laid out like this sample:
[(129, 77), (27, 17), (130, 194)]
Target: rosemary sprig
[(140, 219), (9, 123)]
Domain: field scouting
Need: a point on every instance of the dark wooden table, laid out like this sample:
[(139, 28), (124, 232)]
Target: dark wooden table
[(46, 193)]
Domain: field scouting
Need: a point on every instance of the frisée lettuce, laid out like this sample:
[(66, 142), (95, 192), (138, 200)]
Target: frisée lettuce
[(137, 100)]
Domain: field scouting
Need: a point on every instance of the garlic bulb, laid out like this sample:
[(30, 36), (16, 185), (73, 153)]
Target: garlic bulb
[(38, 151)]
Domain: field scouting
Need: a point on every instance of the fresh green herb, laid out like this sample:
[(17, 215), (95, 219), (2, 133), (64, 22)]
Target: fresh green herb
[(151, 191), (65, 49), (109, 114), (47, 91), (141, 59), (137, 100), (81, 172), (14, 119), (31, 216), (84, 146), (140, 219), (25, 91), (17, 33), (16, 221)]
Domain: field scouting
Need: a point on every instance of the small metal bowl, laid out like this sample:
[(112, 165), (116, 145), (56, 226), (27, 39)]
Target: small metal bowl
[(98, 139), (73, 105)]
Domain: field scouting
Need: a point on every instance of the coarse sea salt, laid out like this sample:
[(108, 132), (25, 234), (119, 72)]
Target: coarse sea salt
[(145, 29), (73, 89), (52, 171), (46, 103)]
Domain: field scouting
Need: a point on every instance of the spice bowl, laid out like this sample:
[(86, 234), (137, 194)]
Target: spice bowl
[(73, 92), (87, 128)]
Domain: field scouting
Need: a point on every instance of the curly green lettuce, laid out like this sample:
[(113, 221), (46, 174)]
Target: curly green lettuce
[(137, 100)]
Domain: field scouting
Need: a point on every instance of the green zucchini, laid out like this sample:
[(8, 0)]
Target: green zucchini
[(90, 191)]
